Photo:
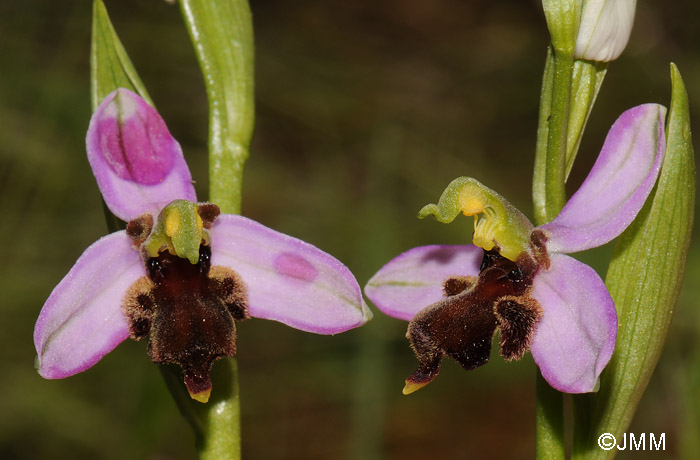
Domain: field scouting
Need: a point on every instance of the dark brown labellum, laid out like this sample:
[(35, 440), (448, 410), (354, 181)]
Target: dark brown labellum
[(462, 325), (189, 313)]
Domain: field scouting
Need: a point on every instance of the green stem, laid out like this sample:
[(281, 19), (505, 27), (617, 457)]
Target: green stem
[(215, 424), (555, 193), (222, 34), (539, 195), (549, 193), (222, 415), (549, 197), (549, 422)]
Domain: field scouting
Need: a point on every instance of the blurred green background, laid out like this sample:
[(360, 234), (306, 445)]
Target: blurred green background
[(365, 112)]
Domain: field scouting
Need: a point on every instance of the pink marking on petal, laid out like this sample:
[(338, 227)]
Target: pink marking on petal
[(138, 165), (286, 279), (295, 266), (134, 141)]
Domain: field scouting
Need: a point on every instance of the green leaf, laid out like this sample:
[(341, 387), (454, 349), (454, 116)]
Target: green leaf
[(222, 34), (110, 66), (644, 279)]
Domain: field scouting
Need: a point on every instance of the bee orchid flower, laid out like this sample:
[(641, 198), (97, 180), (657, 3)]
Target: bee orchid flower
[(517, 278), (180, 273)]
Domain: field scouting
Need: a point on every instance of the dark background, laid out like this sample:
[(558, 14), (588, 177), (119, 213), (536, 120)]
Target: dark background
[(366, 110)]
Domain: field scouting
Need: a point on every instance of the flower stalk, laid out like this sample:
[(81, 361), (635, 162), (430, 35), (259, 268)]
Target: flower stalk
[(557, 135), (548, 186), (561, 124), (549, 421), (549, 177), (222, 35)]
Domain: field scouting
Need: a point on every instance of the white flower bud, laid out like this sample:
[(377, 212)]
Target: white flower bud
[(605, 29)]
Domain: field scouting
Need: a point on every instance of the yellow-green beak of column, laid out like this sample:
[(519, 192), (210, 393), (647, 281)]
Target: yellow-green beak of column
[(180, 230), (497, 223)]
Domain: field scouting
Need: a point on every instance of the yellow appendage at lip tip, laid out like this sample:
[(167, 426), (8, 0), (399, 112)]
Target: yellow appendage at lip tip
[(202, 396), (412, 387)]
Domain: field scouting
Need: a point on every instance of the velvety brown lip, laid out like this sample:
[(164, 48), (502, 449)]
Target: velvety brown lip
[(189, 313), (462, 325)]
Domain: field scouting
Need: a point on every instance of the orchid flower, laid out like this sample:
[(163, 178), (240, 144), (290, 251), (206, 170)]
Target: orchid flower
[(517, 277), (180, 273)]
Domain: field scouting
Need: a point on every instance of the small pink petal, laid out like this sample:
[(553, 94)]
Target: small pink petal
[(413, 280), (82, 319), (138, 165), (618, 185), (576, 336), (288, 280)]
